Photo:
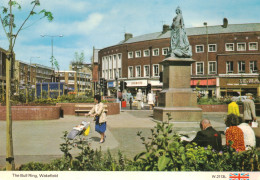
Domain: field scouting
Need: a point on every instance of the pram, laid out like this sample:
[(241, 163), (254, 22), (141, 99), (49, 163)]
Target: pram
[(82, 129)]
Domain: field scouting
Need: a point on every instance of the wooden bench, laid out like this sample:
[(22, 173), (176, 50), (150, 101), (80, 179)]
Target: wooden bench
[(85, 108)]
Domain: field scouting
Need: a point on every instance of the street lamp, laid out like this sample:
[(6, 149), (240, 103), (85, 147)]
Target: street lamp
[(51, 36), (207, 59)]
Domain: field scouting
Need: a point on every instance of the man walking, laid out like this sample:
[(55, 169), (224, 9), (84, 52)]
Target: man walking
[(249, 109)]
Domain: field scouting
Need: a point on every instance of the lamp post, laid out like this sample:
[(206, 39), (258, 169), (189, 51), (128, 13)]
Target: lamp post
[(207, 58), (52, 36)]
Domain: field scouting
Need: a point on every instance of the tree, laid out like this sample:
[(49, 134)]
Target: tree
[(78, 60), (8, 22)]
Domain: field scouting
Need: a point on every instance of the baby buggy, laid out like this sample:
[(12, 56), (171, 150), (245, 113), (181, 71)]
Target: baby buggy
[(81, 130)]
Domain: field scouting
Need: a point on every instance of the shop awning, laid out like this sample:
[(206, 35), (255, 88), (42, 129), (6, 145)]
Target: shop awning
[(203, 82)]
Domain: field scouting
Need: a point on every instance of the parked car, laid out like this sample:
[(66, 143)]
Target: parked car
[(239, 98)]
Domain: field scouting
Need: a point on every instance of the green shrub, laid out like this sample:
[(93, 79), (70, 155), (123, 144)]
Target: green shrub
[(165, 152)]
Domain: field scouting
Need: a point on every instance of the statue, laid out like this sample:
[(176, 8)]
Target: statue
[(180, 46)]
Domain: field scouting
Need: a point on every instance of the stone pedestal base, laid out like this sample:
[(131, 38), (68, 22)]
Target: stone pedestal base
[(178, 114), (177, 98)]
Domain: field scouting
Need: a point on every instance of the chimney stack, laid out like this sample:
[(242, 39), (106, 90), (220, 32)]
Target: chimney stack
[(165, 28), (128, 36)]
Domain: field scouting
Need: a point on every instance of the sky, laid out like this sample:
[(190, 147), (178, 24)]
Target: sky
[(85, 24)]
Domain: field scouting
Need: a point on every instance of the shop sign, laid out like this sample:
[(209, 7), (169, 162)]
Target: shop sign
[(110, 84), (136, 83), (249, 81)]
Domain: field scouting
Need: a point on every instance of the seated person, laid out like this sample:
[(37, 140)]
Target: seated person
[(207, 136), (234, 133), (249, 134)]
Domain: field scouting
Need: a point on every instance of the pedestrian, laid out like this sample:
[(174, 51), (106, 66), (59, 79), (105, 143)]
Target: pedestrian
[(131, 102), (98, 112), (150, 99), (139, 99), (234, 134), (207, 136), (249, 109), (249, 134), (233, 108)]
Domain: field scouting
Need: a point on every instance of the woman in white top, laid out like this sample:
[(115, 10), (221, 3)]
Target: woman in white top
[(249, 134), (98, 112)]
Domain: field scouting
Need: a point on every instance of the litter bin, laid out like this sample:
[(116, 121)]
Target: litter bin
[(123, 103), (61, 113)]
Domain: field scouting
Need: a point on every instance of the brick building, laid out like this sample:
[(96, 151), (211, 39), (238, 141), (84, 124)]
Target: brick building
[(227, 59)]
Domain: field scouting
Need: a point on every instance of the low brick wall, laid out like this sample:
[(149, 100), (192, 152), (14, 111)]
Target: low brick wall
[(32, 112), (217, 108), (69, 108)]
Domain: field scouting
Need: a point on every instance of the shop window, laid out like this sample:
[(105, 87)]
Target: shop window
[(229, 66), (199, 48), (241, 46), (212, 68), (253, 66), (199, 68)]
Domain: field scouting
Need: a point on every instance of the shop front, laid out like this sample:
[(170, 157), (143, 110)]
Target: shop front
[(239, 86), (205, 86)]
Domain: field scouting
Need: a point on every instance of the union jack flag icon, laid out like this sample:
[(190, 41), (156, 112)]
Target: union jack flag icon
[(239, 176)]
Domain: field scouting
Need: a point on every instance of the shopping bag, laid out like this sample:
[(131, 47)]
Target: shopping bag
[(254, 124), (86, 132), (142, 104)]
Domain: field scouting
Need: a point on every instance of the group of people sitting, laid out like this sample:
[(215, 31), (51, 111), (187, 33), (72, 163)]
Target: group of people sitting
[(239, 135)]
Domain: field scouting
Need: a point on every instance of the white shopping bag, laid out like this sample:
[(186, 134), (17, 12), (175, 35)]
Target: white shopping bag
[(254, 124)]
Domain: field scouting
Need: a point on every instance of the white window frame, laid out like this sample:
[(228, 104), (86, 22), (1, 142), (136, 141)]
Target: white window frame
[(138, 52), (196, 48), (146, 55), (250, 49), (130, 55), (240, 65), (241, 44), (136, 72), (163, 49), (197, 68), (252, 63), (213, 72), (229, 44), (148, 74), (209, 49), (130, 75), (227, 69), (156, 49), (154, 75)]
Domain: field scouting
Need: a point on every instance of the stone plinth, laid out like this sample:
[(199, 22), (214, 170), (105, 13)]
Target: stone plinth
[(177, 98)]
